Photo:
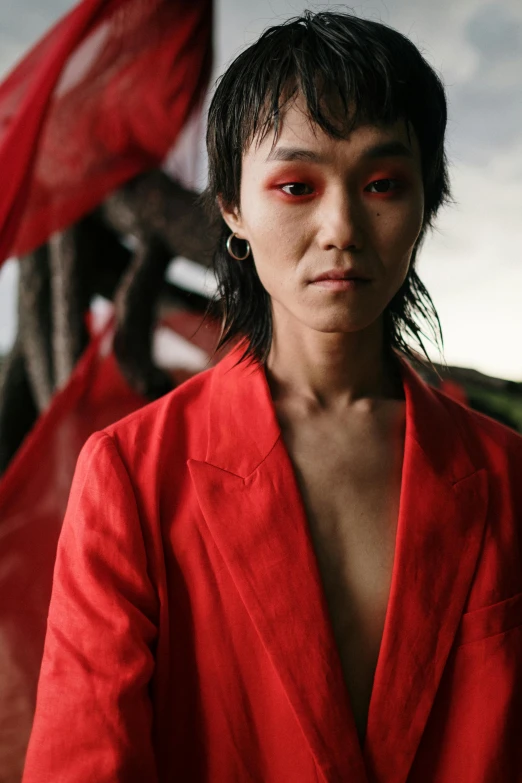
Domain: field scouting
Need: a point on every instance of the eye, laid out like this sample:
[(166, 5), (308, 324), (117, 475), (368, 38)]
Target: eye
[(297, 189), (383, 185)]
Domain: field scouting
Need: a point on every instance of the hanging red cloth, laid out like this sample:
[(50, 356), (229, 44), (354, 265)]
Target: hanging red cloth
[(100, 98), (33, 497)]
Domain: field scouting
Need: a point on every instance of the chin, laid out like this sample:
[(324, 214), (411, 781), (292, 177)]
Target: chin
[(340, 325)]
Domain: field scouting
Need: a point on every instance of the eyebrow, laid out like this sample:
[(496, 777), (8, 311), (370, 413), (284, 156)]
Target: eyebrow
[(388, 149)]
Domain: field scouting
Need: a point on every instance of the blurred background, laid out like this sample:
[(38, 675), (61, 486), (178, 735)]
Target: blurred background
[(472, 263)]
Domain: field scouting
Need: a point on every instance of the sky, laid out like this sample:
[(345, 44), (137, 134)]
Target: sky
[(472, 263)]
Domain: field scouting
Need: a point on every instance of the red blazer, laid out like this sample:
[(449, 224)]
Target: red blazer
[(188, 637)]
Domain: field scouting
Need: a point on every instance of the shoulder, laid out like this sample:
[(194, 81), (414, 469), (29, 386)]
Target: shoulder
[(165, 431), (181, 401), (498, 443)]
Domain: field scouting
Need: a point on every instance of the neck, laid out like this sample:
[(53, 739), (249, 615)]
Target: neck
[(331, 370)]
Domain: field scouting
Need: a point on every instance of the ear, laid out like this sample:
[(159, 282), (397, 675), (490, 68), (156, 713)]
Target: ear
[(232, 218)]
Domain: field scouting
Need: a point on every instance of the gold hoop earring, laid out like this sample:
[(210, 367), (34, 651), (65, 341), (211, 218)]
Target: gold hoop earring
[(231, 252)]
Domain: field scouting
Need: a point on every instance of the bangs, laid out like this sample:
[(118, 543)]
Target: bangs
[(342, 86), (349, 71)]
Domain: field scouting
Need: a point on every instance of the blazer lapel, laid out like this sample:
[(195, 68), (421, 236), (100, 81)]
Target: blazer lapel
[(251, 503), (250, 500), (440, 529)]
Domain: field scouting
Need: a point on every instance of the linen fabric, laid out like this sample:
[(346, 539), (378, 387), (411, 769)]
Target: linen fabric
[(100, 98), (33, 499), (188, 635)]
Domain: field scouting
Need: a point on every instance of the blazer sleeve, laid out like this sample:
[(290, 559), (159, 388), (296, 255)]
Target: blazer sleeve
[(93, 718)]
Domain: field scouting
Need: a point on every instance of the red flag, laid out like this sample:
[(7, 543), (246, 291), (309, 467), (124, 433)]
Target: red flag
[(100, 98)]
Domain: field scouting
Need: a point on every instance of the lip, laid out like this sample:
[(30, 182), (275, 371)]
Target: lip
[(340, 275), (340, 284)]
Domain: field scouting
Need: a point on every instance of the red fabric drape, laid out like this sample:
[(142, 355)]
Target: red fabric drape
[(100, 98), (33, 497)]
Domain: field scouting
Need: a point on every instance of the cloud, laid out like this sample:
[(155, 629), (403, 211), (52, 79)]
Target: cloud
[(26, 23), (472, 267), (486, 111), (496, 33)]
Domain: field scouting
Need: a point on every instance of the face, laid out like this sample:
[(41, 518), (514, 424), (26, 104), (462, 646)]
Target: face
[(314, 206)]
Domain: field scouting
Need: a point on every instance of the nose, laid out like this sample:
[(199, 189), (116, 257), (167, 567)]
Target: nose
[(340, 222)]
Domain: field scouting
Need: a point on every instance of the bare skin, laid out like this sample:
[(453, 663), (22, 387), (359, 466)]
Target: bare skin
[(348, 465), (355, 203)]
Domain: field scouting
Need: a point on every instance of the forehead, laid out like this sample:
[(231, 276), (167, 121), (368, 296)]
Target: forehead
[(297, 131)]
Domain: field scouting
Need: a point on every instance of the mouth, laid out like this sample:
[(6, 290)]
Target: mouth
[(336, 275), (340, 280)]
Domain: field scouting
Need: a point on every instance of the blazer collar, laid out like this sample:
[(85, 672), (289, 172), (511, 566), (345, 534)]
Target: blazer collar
[(252, 507), (442, 514), (241, 405)]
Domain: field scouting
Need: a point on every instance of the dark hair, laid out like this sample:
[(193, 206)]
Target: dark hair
[(379, 77)]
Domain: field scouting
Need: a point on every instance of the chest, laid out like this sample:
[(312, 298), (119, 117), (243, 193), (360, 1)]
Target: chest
[(350, 477)]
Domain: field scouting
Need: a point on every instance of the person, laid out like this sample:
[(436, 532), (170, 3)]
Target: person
[(303, 564)]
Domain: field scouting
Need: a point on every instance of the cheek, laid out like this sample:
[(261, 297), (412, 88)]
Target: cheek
[(277, 235), (397, 230)]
